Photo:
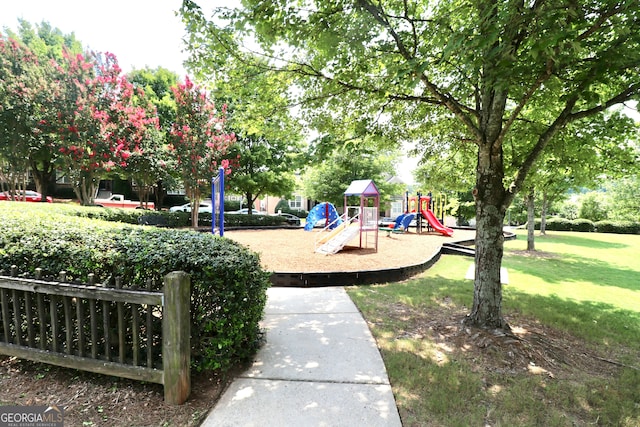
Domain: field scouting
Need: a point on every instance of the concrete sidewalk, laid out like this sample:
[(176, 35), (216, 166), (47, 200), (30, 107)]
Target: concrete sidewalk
[(319, 367)]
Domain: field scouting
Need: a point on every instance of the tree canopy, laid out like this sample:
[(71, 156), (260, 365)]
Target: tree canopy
[(327, 181), (76, 112), (268, 148), (28, 96), (496, 69)]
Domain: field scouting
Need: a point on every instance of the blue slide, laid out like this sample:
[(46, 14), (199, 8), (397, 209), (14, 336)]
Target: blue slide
[(406, 221), (398, 222), (401, 223), (324, 210)]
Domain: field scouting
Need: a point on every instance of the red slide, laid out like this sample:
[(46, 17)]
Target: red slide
[(433, 222)]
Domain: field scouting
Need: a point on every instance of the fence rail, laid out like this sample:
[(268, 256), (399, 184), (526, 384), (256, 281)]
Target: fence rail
[(132, 333)]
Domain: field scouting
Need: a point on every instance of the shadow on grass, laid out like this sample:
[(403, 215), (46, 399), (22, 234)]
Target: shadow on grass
[(596, 322), (580, 240), (431, 388), (571, 268)]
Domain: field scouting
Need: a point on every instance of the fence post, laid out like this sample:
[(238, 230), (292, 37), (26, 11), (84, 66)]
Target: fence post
[(176, 333)]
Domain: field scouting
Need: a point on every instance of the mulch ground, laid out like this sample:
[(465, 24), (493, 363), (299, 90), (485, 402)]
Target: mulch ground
[(293, 250), (100, 400)]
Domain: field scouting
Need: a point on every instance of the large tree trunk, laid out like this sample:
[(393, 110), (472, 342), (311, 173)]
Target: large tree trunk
[(160, 192), (531, 221), (195, 195), (486, 311), (250, 201), (43, 177), (85, 185)]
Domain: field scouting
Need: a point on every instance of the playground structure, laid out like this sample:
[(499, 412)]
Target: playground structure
[(422, 205), (217, 209), (326, 211), (357, 220), (401, 224)]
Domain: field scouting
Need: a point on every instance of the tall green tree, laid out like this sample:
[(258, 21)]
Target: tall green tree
[(326, 181), (487, 64), (156, 84), (45, 41), (261, 167), (623, 197), (47, 45), (19, 76), (268, 147), (153, 166), (581, 156)]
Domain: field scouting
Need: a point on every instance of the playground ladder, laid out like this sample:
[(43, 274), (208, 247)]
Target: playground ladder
[(338, 242)]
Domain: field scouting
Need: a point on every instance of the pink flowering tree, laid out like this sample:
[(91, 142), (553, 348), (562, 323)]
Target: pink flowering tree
[(198, 141), (131, 130), (100, 125)]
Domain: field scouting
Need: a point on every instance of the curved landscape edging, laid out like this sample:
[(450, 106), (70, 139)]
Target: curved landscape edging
[(366, 277)]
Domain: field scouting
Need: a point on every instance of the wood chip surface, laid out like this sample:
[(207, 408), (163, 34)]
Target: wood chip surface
[(293, 250)]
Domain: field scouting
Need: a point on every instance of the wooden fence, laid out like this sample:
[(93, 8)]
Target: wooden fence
[(132, 333)]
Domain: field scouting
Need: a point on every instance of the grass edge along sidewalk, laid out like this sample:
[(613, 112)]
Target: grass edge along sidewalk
[(574, 358)]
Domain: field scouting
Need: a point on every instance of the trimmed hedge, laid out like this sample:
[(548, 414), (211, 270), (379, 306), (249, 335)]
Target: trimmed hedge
[(128, 216), (582, 225), (619, 227), (228, 285), (243, 220), (585, 225), (169, 219), (563, 224)]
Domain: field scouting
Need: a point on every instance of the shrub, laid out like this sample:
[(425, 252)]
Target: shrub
[(582, 225), (228, 292), (619, 227), (166, 218), (174, 200), (592, 207), (558, 224), (128, 216), (283, 206), (243, 220), (563, 224), (569, 210)]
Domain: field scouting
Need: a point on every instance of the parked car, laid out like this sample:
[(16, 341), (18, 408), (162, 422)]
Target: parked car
[(291, 219), (386, 221), (204, 208), (119, 201), (245, 211), (28, 196)]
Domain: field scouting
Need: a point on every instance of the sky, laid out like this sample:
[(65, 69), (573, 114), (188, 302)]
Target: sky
[(139, 33)]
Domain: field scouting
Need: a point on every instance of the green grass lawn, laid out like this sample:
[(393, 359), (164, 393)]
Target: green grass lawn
[(582, 290), (589, 285)]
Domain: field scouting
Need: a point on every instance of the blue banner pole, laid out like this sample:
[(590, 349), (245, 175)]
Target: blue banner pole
[(213, 205), (221, 183)]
